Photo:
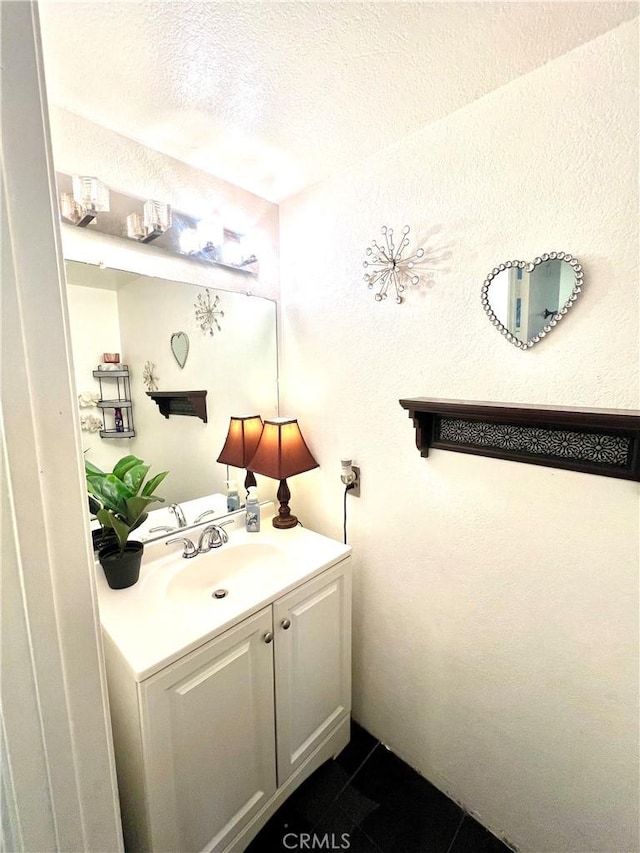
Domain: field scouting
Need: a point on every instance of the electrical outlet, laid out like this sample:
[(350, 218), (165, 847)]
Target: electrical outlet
[(355, 486)]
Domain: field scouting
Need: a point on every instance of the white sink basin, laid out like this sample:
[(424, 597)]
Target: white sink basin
[(225, 568), (171, 610)]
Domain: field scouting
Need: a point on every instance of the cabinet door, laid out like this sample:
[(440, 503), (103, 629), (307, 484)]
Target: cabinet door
[(312, 627), (208, 738)]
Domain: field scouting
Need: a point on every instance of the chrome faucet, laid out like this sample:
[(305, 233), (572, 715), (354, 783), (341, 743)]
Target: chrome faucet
[(190, 549), (177, 510), (213, 536)]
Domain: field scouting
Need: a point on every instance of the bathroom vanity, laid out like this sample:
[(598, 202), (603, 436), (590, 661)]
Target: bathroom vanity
[(222, 706)]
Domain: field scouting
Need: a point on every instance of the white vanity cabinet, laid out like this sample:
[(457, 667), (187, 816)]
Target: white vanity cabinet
[(208, 747), (207, 725), (312, 666)]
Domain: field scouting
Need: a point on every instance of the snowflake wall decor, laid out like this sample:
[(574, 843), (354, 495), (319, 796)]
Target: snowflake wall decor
[(207, 312), (149, 376), (387, 266)]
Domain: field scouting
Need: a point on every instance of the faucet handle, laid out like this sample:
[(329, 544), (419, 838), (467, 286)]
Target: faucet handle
[(190, 549), (204, 514)]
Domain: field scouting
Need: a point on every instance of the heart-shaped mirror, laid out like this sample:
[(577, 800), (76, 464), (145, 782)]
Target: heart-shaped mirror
[(180, 347), (526, 300)]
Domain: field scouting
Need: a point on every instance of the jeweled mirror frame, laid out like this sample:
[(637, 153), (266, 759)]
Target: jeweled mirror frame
[(529, 267)]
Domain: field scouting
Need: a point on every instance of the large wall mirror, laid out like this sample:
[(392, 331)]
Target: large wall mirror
[(136, 315)]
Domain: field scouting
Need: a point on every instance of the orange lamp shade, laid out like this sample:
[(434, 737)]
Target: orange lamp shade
[(242, 441), (282, 451)]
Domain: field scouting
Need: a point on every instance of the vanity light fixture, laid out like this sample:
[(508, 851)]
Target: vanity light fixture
[(90, 197), (281, 453), (241, 443), (156, 223), (155, 220)]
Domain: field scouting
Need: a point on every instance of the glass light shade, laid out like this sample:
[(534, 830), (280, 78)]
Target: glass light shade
[(210, 232), (231, 253), (69, 208), (189, 241), (135, 227), (91, 193), (157, 216), (242, 440), (282, 451)]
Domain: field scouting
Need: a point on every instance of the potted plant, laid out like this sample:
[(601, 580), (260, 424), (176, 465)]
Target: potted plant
[(119, 500)]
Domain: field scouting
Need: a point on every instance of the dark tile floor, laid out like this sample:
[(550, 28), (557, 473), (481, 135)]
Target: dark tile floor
[(369, 801)]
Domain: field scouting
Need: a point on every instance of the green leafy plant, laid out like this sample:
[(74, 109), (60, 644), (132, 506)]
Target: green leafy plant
[(119, 499)]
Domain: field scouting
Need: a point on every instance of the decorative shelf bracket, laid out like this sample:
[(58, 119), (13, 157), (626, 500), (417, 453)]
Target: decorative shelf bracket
[(189, 403), (596, 441)]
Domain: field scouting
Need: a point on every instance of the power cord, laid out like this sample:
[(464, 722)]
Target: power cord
[(344, 526)]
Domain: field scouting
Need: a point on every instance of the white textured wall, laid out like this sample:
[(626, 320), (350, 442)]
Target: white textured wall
[(94, 329), (496, 603)]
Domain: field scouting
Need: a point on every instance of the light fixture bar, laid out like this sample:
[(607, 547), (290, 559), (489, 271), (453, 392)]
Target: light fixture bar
[(131, 217)]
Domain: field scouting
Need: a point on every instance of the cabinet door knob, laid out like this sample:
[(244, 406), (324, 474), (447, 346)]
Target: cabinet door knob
[(268, 637), (286, 624)]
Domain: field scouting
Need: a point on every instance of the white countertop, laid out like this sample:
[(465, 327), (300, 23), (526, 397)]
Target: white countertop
[(152, 628)]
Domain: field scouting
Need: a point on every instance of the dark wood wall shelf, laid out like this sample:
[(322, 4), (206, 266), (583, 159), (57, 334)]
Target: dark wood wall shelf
[(596, 441), (189, 403)]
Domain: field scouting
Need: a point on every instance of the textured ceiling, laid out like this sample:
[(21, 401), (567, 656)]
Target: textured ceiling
[(276, 96)]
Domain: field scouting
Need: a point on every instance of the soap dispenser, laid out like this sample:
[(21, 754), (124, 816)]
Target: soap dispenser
[(233, 501), (252, 514)]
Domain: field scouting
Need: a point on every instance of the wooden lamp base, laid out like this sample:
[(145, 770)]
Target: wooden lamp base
[(284, 520)]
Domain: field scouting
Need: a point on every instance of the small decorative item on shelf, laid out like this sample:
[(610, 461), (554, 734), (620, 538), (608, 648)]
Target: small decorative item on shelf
[(149, 376), (111, 357), (119, 501)]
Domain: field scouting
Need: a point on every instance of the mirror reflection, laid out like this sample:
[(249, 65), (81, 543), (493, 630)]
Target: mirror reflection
[(527, 299), (114, 311)]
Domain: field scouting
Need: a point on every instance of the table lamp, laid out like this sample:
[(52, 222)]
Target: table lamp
[(281, 453), (241, 443)]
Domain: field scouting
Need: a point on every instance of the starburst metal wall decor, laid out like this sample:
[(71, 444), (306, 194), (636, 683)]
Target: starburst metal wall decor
[(386, 266), (149, 376), (208, 312)]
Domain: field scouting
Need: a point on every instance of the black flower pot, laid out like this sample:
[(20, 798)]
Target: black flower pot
[(121, 569), (102, 537)]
